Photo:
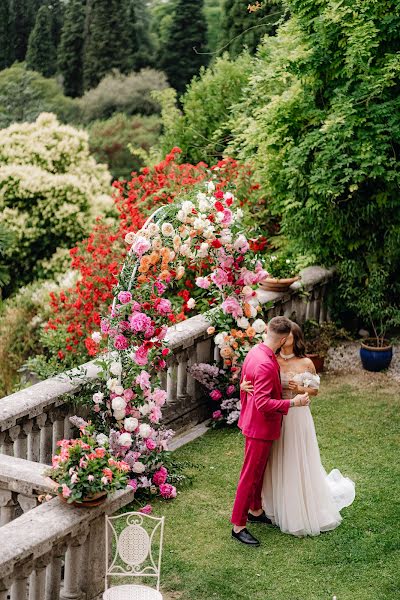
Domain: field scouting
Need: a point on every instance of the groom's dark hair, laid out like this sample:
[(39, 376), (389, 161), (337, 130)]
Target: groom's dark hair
[(280, 326)]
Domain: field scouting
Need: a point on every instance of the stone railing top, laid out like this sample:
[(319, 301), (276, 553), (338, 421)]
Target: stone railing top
[(310, 276), (23, 476), (39, 530)]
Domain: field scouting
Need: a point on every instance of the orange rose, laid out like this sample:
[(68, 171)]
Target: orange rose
[(226, 352), (247, 310), (142, 279), (240, 335), (165, 275), (251, 332), (154, 258)]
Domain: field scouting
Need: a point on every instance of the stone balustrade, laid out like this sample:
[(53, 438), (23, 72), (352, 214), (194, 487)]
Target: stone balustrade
[(53, 551)]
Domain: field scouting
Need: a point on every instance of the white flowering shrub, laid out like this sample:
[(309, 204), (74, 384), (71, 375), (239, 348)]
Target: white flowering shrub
[(51, 189)]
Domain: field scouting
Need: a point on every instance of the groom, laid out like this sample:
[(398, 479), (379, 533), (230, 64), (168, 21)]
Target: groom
[(260, 421)]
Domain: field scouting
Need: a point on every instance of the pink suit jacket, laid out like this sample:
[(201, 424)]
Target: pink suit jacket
[(262, 410)]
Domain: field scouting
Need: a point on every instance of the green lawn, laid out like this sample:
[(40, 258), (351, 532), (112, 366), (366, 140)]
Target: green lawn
[(357, 426)]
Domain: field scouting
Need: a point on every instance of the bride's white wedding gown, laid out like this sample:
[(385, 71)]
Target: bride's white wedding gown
[(298, 495)]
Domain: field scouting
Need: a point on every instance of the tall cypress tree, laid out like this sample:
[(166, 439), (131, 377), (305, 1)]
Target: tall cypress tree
[(6, 35), (240, 28), (22, 15), (70, 50), (106, 40), (41, 53), (187, 34), (141, 44)]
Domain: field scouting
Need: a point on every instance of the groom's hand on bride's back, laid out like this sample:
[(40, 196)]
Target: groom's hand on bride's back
[(301, 400)]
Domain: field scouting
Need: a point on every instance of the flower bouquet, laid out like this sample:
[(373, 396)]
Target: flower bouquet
[(84, 470)]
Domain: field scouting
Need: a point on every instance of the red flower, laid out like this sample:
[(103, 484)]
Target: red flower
[(219, 206), (216, 244)]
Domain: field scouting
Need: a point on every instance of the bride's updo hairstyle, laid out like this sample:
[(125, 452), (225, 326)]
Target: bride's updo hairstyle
[(299, 347)]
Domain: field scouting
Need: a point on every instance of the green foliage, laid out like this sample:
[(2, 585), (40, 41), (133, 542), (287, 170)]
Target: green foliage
[(71, 48), (24, 94), (322, 123), (188, 33), (6, 241), (319, 337), (213, 13), (130, 94), (7, 51), (202, 130), (106, 40), (109, 140), (41, 54), (242, 29), (22, 20), (141, 43)]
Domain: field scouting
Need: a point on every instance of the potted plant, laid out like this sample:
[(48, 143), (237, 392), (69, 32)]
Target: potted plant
[(282, 271), (319, 337), (84, 471)]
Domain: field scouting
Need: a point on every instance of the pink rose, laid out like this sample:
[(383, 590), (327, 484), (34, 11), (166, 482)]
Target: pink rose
[(66, 492), (120, 342), (227, 217), (139, 322), (124, 326), (231, 306), (160, 287), (162, 364), (104, 326), (167, 490), (90, 478), (220, 277), (141, 245), (217, 414), (230, 390), (150, 444), (216, 395), (146, 510), (159, 396), (203, 282), (133, 484), (128, 395), (141, 356), (136, 307), (143, 380), (160, 476), (163, 307), (125, 297), (155, 414)]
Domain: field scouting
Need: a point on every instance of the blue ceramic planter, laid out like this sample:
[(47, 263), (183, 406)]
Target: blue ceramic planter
[(375, 359)]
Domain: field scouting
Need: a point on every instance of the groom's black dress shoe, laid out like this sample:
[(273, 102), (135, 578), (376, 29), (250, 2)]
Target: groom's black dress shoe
[(245, 537), (260, 519)]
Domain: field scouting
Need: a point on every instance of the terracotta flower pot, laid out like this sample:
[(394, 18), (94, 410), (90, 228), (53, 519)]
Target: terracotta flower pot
[(271, 284), (375, 358), (318, 361), (88, 502)]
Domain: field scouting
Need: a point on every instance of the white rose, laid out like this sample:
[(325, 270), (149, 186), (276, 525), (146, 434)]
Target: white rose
[(138, 467), (98, 397), (116, 368), (203, 204), (145, 409), (130, 424), (181, 216), (219, 339), (101, 439), (130, 237), (153, 229), (125, 439), (253, 311), (118, 389), (96, 337), (259, 326), (191, 303), (167, 230), (119, 415), (203, 250), (187, 206), (111, 383), (210, 187), (145, 430), (156, 244), (239, 214), (118, 403), (201, 196), (243, 323)]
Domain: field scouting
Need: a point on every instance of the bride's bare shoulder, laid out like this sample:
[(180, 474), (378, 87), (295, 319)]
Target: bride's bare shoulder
[(308, 364)]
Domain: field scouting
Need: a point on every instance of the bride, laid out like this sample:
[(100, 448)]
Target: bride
[(298, 495)]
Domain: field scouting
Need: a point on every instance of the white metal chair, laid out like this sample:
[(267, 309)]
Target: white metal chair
[(132, 555)]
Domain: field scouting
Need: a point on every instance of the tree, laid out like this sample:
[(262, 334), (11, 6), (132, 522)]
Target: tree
[(70, 51), (41, 53), (7, 52), (106, 40), (22, 20), (241, 28), (141, 43), (187, 41)]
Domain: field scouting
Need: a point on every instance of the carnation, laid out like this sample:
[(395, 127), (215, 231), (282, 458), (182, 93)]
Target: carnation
[(120, 342), (139, 322), (163, 306), (96, 337)]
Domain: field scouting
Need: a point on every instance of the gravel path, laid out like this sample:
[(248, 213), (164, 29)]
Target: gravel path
[(346, 358)]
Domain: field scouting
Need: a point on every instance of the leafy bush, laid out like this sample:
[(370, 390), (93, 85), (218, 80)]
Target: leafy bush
[(24, 94), (130, 94), (322, 123), (202, 130), (51, 189), (109, 140)]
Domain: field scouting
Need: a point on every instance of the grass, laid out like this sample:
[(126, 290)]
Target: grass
[(357, 425)]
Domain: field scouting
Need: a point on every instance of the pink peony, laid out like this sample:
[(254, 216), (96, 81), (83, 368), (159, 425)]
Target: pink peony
[(167, 490), (104, 326), (125, 297), (217, 414), (120, 342), (159, 396), (220, 277), (227, 217), (203, 282), (231, 306), (160, 476), (141, 245), (143, 380), (139, 322), (216, 395), (230, 390), (150, 444), (133, 484), (155, 414), (128, 395), (163, 307), (146, 510), (66, 492), (160, 287), (141, 356)]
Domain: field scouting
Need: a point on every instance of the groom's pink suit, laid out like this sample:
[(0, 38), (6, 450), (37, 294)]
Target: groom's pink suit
[(260, 421)]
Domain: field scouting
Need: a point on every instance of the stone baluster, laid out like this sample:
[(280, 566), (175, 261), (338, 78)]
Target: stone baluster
[(8, 507), (37, 582), (4, 589), (172, 381), (58, 427), (14, 433), (96, 558), (74, 559), (46, 438), (68, 427), (34, 442), (20, 586), (323, 309), (191, 383), (6, 444), (182, 375), (204, 352), (317, 304), (53, 574), (27, 502)]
